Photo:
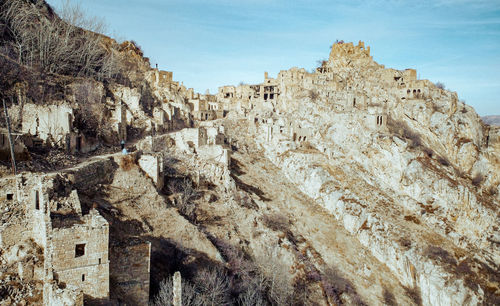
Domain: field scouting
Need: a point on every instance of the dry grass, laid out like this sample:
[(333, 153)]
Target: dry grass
[(414, 294), (402, 129), (313, 94), (440, 254), (412, 219), (477, 179), (443, 161), (127, 162), (276, 221)]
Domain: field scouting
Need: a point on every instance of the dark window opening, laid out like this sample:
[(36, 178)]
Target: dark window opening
[(10, 196), (271, 96), (78, 143), (99, 261), (304, 138), (37, 200), (354, 102), (265, 96), (83, 277), (80, 250), (408, 91)]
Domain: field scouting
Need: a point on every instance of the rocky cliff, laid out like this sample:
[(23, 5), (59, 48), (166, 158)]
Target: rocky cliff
[(353, 184), (407, 169)]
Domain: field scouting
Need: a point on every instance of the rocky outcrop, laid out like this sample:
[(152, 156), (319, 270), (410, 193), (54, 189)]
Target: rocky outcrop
[(406, 168)]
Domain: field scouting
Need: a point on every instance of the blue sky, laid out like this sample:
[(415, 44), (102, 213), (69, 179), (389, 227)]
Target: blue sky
[(208, 44)]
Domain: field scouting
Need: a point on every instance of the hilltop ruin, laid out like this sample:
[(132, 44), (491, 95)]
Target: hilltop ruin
[(353, 183)]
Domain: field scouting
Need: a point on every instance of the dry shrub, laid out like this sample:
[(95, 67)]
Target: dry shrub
[(127, 162), (244, 200), (68, 45), (428, 152), (443, 161), (213, 286), (334, 284), (440, 254), (276, 221), (186, 194), (253, 296), (246, 280), (414, 294), (278, 277), (389, 298), (165, 295), (313, 94), (493, 191), (402, 129), (477, 179), (405, 242), (412, 219), (440, 85)]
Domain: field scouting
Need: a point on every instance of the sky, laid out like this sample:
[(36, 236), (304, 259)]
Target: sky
[(208, 44)]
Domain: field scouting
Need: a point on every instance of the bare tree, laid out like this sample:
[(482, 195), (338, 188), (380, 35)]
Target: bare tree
[(254, 294), (440, 85), (186, 194), (213, 286), (165, 294), (279, 280), (67, 45)]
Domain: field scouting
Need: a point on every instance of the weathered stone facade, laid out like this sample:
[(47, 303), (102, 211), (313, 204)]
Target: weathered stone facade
[(130, 266), (74, 246), (80, 254)]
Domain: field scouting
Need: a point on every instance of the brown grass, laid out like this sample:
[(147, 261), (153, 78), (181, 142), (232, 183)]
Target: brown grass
[(414, 294), (477, 179), (276, 221), (412, 219), (127, 162)]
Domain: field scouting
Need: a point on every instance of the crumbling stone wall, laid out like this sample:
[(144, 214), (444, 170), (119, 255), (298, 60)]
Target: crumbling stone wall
[(80, 254), (152, 165), (53, 121), (130, 269), (75, 247)]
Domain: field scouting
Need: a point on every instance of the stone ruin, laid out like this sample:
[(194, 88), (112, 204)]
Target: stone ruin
[(74, 264)]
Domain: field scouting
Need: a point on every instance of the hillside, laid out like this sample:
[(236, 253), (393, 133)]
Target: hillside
[(353, 184)]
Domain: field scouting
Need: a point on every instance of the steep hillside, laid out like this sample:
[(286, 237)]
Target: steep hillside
[(409, 171), (353, 184)]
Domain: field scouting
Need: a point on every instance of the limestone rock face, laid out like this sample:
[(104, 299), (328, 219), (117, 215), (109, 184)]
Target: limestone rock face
[(409, 170)]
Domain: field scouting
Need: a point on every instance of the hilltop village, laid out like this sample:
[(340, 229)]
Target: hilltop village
[(402, 167)]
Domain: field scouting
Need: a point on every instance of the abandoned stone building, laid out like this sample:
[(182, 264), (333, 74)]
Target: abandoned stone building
[(75, 246), (204, 107), (333, 82), (75, 260)]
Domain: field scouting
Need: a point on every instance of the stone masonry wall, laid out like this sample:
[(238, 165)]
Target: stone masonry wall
[(80, 255), (130, 269)]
